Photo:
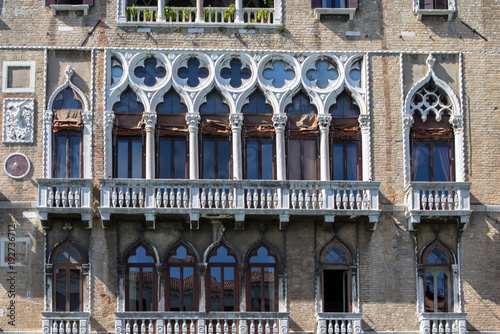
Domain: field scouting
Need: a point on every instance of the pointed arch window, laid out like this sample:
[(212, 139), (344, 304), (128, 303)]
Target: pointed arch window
[(262, 281), (140, 280), (215, 157), (345, 140), (302, 139), (258, 133), (67, 129), (68, 279), (171, 130), (222, 280), (438, 282), (129, 151), (432, 144), (336, 280), (181, 280)]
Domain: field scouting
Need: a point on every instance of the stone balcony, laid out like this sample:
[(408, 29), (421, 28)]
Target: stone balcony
[(200, 322), (439, 323), (65, 322), (339, 323), (235, 199), (438, 200), (65, 197)]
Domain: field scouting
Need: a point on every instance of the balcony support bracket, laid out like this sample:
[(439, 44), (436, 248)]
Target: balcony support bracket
[(372, 222), (328, 222), (150, 220), (239, 222), (284, 222), (105, 220), (194, 221)]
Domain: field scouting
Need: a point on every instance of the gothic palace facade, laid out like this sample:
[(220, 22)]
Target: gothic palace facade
[(256, 166)]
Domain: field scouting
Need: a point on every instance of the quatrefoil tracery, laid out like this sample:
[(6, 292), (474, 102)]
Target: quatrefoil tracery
[(150, 71), (431, 100)]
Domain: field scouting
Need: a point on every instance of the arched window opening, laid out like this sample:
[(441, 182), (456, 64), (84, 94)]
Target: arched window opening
[(432, 149), (68, 279), (129, 151), (302, 139), (222, 280), (141, 280), (438, 282), (215, 145), (67, 127), (336, 279), (181, 280), (262, 281), (258, 133), (171, 130), (345, 139)]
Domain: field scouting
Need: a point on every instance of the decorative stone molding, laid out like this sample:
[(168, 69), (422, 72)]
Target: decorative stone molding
[(149, 119), (279, 121), (423, 12), (18, 120), (109, 119), (324, 121), (87, 117), (408, 121), (193, 120), (364, 122)]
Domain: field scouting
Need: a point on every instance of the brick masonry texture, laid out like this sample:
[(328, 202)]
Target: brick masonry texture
[(386, 257)]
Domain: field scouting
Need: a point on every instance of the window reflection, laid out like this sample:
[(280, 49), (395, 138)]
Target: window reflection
[(140, 280), (222, 280), (437, 280), (263, 281), (181, 281), (336, 279), (67, 279)]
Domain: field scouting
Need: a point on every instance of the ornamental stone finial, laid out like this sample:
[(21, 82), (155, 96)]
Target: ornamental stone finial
[(109, 119), (408, 121), (48, 116), (364, 121), (149, 119), (87, 116), (430, 61), (69, 72), (279, 121), (457, 121), (236, 120)]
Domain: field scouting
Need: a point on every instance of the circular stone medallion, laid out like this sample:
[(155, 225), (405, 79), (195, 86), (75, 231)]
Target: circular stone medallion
[(17, 165)]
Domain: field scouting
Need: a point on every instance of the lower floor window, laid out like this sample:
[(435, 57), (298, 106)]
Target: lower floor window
[(336, 290), (437, 290)]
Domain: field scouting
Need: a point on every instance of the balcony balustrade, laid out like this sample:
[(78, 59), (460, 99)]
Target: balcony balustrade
[(339, 323), (437, 199), (196, 322), (439, 323), (229, 197), (65, 196), (65, 322)]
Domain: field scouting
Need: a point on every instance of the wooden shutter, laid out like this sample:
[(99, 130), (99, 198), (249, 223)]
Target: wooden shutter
[(50, 2), (441, 4), (316, 4), (88, 2), (352, 3)]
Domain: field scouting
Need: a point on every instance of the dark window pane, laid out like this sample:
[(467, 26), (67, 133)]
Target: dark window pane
[(188, 289), (208, 159), (255, 289), (352, 161), (180, 159), (252, 160), (269, 290), (267, 160), (338, 162), (175, 299), (122, 158), (257, 105), (74, 157), (229, 289), (421, 162), (294, 164), (223, 160), (215, 289), (442, 162), (67, 101), (171, 104), (128, 103), (336, 291), (429, 292), (147, 289), (310, 159), (61, 156), (74, 290), (214, 105), (301, 105), (60, 290), (165, 155), (133, 289), (442, 290), (136, 147), (193, 72)]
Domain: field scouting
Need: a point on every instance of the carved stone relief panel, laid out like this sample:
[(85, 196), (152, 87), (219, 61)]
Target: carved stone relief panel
[(18, 120)]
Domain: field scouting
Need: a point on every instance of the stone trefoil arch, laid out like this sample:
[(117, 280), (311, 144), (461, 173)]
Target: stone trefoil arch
[(456, 120), (87, 118)]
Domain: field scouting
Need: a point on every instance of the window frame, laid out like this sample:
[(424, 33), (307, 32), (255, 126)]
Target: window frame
[(302, 140), (432, 143), (172, 140), (341, 266), (359, 161), (155, 287), (216, 139), (262, 266), (260, 166), (222, 265), (67, 267), (68, 134), (130, 158), (196, 294)]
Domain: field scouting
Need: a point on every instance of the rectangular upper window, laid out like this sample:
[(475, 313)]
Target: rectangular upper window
[(18, 77), (433, 4)]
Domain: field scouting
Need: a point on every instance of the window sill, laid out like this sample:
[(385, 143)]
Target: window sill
[(55, 8), (335, 11), (434, 12)]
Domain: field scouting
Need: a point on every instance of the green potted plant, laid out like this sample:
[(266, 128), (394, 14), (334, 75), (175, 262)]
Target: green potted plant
[(169, 13), (228, 14), (133, 12), (209, 14), (147, 15), (187, 14), (262, 15)]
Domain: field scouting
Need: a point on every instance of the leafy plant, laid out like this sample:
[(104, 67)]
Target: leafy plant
[(178, 29), (147, 14), (249, 27), (209, 14), (187, 14), (133, 12), (229, 13), (169, 13), (262, 15), (222, 29)]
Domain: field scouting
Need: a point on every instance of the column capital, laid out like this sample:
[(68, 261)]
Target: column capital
[(48, 116), (149, 119), (193, 120), (87, 116), (408, 121), (324, 121), (279, 121), (364, 121), (109, 119), (457, 121), (236, 121)]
